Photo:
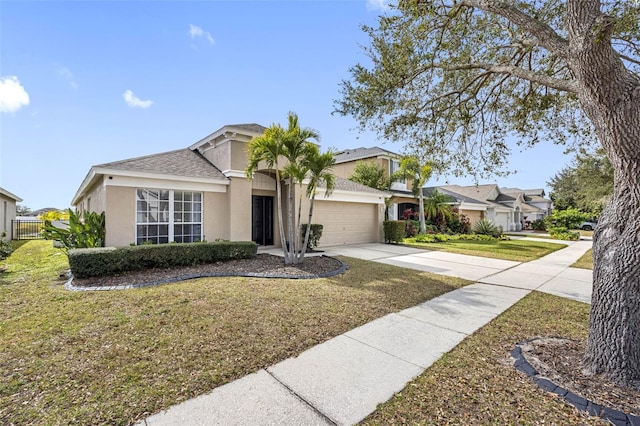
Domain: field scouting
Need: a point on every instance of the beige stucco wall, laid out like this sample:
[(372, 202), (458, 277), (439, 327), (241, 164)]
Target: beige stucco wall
[(239, 209), (120, 216), (345, 170), (7, 214), (97, 194), (474, 216)]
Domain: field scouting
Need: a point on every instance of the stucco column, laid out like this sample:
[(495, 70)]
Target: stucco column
[(239, 205)]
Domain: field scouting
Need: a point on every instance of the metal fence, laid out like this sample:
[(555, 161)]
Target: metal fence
[(26, 229)]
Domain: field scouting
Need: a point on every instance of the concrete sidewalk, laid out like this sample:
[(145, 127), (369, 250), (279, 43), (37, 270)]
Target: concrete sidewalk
[(342, 380)]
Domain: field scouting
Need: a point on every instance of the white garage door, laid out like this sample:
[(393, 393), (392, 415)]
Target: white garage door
[(502, 219), (347, 223)]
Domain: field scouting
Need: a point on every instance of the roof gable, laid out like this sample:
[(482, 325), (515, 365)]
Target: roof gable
[(10, 195)]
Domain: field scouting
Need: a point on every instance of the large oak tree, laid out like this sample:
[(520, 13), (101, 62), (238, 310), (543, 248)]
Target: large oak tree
[(456, 78)]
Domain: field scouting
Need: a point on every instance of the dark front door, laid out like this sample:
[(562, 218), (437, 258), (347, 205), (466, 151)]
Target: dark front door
[(262, 220)]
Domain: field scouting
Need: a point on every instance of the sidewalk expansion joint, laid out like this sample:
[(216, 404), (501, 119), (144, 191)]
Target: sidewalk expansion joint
[(307, 403)]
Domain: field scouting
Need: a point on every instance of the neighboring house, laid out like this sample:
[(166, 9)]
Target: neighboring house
[(7, 211), (402, 197), (202, 193), (510, 208)]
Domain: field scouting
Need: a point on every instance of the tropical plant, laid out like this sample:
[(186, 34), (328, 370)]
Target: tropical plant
[(438, 209), (85, 230), (419, 172), (373, 175), (456, 79), (5, 246), (487, 227), (318, 167), (268, 148), (290, 154)]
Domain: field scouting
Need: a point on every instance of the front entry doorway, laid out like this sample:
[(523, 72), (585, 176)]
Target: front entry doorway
[(262, 220)]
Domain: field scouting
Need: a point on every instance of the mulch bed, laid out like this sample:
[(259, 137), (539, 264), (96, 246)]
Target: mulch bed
[(560, 360), (264, 265)]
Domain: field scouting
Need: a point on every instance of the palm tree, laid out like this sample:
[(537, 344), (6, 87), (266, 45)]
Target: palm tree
[(411, 168), (268, 148), (438, 209), (319, 168), (295, 146)]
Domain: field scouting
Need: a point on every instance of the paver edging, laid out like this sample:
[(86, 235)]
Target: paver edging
[(614, 416), (343, 267)]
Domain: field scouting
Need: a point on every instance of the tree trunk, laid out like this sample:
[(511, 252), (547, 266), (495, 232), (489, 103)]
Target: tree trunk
[(423, 225), (610, 97)]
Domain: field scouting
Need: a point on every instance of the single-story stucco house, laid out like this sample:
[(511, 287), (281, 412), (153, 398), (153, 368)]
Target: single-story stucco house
[(202, 193), (7, 211)]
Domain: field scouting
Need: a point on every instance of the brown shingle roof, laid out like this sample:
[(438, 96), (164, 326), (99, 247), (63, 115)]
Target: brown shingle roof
[(182, 162)]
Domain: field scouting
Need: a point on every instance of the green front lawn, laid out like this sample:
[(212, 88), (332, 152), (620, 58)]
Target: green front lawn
[(116, 357), (476, 383), (518, 250)]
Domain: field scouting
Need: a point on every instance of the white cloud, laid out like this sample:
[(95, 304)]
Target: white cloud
[(382, 5), (134, 102), (68, 75), (197, 32), (12, 94)]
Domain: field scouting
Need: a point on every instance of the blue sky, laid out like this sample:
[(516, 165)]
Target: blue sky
[(84, 83)]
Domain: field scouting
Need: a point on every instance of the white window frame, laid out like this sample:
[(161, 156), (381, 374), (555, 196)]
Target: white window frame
[(171, 219)]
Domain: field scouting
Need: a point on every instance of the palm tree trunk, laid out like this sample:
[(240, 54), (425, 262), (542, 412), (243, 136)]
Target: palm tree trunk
[(308, 230), (289, 257), (280, 220), (423, 225)]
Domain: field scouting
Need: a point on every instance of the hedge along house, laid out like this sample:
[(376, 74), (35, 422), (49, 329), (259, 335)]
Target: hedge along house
[(7, 211), (202, 193)]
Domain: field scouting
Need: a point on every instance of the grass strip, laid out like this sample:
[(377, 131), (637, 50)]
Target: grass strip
[(116, 357), (476, 382), (586, 261), (517, 250)]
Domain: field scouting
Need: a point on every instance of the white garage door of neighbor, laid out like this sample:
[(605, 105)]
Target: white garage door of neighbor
[(502, 219), (346, 223)]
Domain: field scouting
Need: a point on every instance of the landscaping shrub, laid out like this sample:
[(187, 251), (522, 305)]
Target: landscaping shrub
[(562, 233), (394, 231), (314, 234), (93, 262), (487, 227), (437, 238), (569, 218), (459, 223), (84, 231), (5, 247), (539, 225), (411, 229)]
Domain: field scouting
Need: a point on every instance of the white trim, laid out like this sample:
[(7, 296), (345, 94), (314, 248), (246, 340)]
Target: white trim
[(234, 173), (350, 196), (10, 195), (472, 206), (179, 185)]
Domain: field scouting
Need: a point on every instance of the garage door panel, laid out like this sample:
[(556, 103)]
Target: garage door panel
[(347, 223)]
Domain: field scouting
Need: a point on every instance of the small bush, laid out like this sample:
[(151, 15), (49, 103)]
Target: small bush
[(411, 229), (539, 225), (5, 247), (562, 233), (459, 224), (487, 227), (95, 262), (314, 234), (437, 238), (394, 231)]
